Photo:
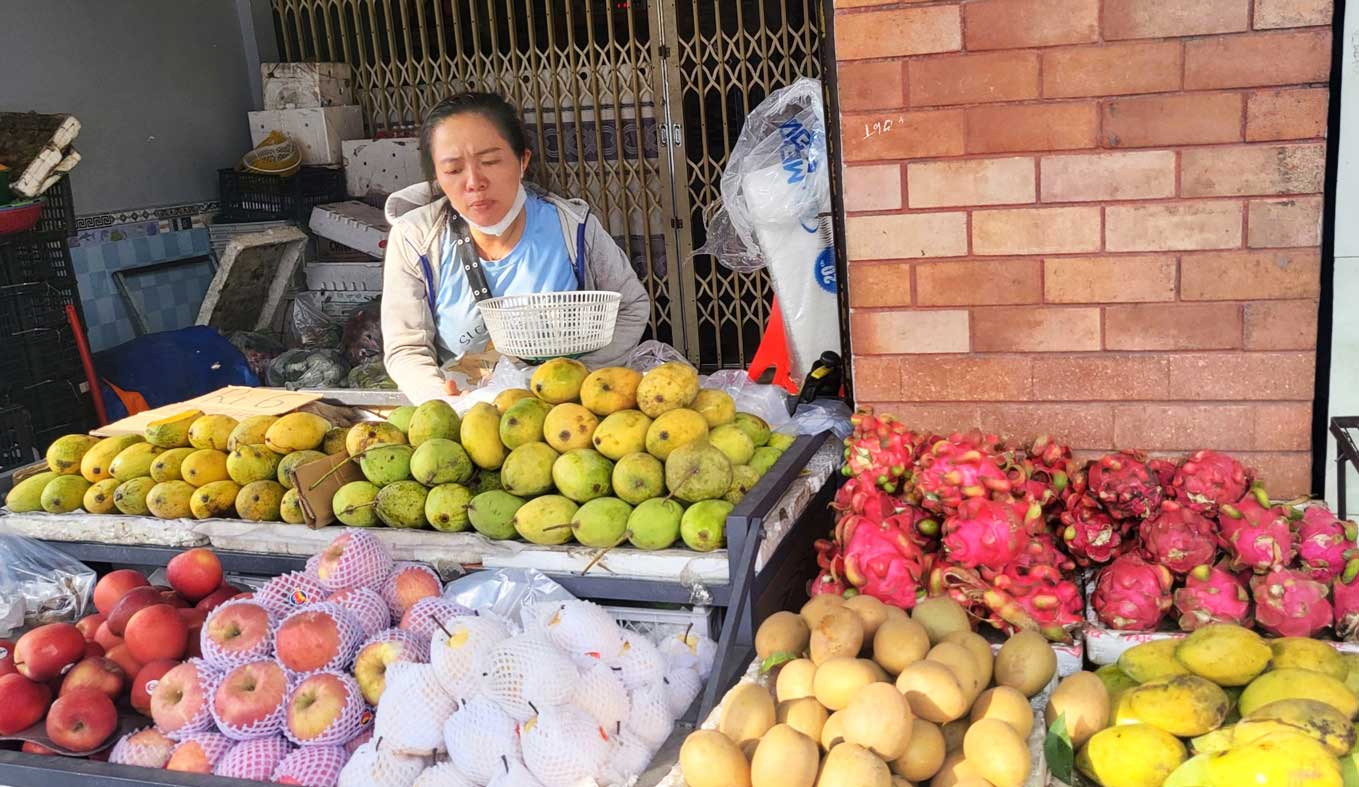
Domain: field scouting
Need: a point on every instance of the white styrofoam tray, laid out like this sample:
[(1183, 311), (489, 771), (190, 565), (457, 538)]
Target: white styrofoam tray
[(318, 131), (357, 225), (294, 85), (374, 167)]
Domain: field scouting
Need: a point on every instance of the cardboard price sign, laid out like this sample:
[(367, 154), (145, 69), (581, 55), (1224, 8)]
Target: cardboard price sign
[(316, 484), (237, 401)]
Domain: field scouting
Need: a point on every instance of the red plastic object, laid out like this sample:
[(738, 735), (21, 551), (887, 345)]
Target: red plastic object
[(20, 217), (87, 362), (773, 352)]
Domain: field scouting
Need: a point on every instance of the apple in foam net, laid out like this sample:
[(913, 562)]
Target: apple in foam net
[(89, 624), (316, 704), (410, 584), (307, 641), (101, 674), (145, 682), (370, 666), (250, 693), (114, 585), (212, 600), (238, 628), (24, 703), (81, 720), (189, 757), (194, 574), (42, 653), (178, 698), (157, 632), (135, 601)]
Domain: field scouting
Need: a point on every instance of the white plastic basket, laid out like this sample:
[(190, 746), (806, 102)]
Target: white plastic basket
[(551, 324)]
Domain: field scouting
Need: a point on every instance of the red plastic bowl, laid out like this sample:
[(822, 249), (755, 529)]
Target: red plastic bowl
[(20, 217)]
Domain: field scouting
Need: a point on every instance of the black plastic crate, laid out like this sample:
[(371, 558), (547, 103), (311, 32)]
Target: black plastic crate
[(249, 196), (38, 257), (16, 437), (56, 407), (58, 212), (32, 306)]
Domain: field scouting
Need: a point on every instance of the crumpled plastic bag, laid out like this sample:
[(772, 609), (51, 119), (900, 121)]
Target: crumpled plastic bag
[(302, 368), (505, 591), (361, 339), (371, 376), (309, 327), (258, 348), (39, 583)]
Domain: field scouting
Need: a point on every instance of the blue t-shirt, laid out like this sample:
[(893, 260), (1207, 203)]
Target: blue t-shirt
[(538, 263)]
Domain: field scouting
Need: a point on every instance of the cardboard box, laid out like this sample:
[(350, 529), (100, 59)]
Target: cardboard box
[(316, 484), (357, 225), (318, 131), (378, 167), (301, 85), (237, 401)]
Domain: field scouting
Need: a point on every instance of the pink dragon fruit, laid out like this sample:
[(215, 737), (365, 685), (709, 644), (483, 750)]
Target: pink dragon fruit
[(1164, 470), (1208, 479), (831, 580), (1325, 543), (1049, 473), (1178, 538), (1125, 485), (963, 467), (1090, 535), (1290, 604), (881, 560), (1345, 603), (1037, 599), (1212, 594), (881, 448), (1259, 538), (1132, 594), (984, 533), (1041, 550)]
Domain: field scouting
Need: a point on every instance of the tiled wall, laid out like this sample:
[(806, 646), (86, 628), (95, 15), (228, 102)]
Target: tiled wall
[(167, 299), (1098, 218)]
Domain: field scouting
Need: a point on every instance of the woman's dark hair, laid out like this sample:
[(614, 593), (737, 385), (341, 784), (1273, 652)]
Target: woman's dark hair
[(491, 106)]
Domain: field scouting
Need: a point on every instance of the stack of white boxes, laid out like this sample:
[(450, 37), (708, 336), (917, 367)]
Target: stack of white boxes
[(313, 105)]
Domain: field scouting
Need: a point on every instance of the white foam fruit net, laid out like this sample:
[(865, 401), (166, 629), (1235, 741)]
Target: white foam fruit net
[(429, 614), (584, 631), (287, 592), (364, 562), (414, 707), (255, 759), (385, 767), (639, 662), (550, 681), (212, 744), (311, 766), (455, 654), (478, 735), (600, 693), (689, 650), (628, 757), (649, 718), (445, 774), (359, 740), (246, 678), (563, 746), (367, 607), (503, 670), (229, 627), (681, 688), (150, 750), (389, 594), (514, 774), (353, 717), (197, 678), (328, 617)]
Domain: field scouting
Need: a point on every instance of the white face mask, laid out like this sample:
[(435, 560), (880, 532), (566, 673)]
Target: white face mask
[(498, 229)]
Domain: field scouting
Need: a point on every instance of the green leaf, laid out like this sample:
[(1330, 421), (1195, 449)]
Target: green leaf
[(776, 659), (1348, 771), (1058, 751)]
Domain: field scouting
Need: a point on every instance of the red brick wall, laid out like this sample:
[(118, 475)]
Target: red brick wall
[(1094, 218)]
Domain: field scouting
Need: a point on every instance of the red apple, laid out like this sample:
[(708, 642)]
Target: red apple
[(370, 665), (307, 641), (189, 757), (94, 650), (171, 597), (317, 703), (6, 657), (157, 632), (45, 651), (178, 698), (25, 703), (107, 638), (194, 618), (238, 628), (30, 747), (90, 624), (408, 585), (114, 585), (250, 693), (135, 601), (120, 655), (144, 684), (194, 573), (210, 602), (81, 720), (100, 674)]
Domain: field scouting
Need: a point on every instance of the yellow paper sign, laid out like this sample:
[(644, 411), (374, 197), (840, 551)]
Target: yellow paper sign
[(237, 401)]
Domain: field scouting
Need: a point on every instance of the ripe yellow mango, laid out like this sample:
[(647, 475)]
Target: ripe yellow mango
[(250, 431), (134, 461), (1130, 755), (1152, 661), (26, 495), (65, 453), (212, 431), (1226, 654), (172, 431), (170, 500), (1307, 653), (1291, 759), (1290, 684), (94, 465), (296, 432), (1184, 706)]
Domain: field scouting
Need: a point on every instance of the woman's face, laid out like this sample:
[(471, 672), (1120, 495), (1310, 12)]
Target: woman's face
[(476, 168)]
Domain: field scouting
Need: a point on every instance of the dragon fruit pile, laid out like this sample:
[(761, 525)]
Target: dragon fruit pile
[(1002, 527)]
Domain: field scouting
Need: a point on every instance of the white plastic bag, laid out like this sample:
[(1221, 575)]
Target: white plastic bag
[(39, 583), (505, 591)]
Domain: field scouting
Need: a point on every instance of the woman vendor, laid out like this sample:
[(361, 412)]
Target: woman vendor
[(485, 233)]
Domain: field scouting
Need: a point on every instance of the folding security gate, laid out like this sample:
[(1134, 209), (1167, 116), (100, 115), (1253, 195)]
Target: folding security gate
[(632, 105)]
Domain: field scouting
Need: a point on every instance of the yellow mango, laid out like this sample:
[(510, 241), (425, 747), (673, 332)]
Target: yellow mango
[(172, 431), (203, 467), (1184, 706), (134, 461), (99, 497), (1317, 719), (607, 391), (1290, 684), (65, 453), (167, 466), (26, 495), (479, 434), (250, 431), (1115, 680), (1283, 759), (1152, 661), (1226, 654), (1130, 755), (212, 431), (217, 499), (296, 432), (1307, 653), (170, 500), (94, 465)]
